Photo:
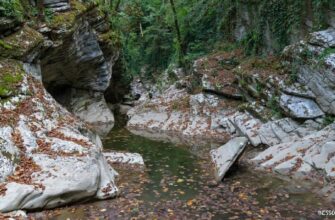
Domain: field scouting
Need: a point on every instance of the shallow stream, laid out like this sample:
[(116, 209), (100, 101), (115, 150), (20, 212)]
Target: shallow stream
[(178, 184)]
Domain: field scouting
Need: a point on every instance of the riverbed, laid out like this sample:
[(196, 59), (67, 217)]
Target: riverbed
[(178, 183)]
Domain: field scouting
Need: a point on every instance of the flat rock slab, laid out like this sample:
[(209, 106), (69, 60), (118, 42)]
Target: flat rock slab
[(315, 152), (298, 107), (124, 158), (225, 156)]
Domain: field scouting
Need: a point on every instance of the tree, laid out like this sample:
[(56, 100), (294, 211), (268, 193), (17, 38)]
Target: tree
[(177, 27), (40, 8)]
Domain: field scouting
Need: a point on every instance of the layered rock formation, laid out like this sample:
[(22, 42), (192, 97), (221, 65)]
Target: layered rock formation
[(283, 103), (77, 68)]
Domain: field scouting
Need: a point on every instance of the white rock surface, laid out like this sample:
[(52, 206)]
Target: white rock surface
[(124, 158), (192, 116), (65, 160), (298, 107), (92, 108), (315, 152), (225, 156)]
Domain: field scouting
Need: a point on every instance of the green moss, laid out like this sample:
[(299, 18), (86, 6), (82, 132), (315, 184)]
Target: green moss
[(112, 38), (329, 119), (5, 45), (67, 19), (326, 53), (273, 104), (11, 76), (20, 43)]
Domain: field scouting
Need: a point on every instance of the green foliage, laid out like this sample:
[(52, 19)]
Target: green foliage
[(326, 53), (329, 119), (8, 82), (273, 104), (11, 8), (48, 15), (319, 7), (150, 43), (5, 45)]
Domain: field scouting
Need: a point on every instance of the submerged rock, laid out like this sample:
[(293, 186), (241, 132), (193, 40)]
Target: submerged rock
[(124, 158), (225, 156)]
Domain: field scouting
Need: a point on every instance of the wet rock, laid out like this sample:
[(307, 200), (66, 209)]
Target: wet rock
[(225, 156), (124, 158), (298, 107), (78, 71)]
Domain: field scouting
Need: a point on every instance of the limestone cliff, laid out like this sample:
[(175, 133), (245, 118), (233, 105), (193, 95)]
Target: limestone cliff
[(48, 156)]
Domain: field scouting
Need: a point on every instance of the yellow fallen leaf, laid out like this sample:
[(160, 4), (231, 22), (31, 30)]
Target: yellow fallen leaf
[(180, 180), (190, 202)]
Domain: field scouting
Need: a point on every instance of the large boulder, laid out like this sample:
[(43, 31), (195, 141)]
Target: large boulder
[(298, 107), (175, 112), (51, 159), (225, 156), (314, 62), (217, 75), (91, 107)]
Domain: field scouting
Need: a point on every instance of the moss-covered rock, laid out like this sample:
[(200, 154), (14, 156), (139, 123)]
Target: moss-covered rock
[(11, 9), (20, 43), (67, 19), (11, 76)]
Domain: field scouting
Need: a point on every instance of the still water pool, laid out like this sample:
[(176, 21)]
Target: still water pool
[(178, 184)]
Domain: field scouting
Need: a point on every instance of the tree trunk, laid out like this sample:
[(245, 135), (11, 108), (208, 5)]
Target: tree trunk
[(176, 23), (117, 6), (40, 8)]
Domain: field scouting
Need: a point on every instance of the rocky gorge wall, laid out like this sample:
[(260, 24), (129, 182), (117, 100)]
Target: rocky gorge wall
[(48, 156), (268, 26), (283, 103)]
